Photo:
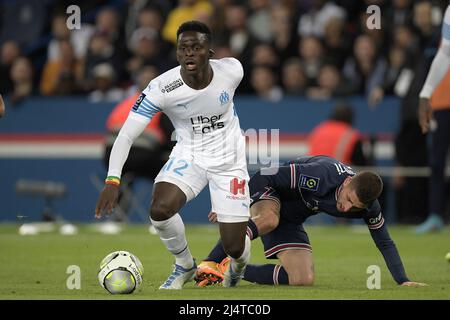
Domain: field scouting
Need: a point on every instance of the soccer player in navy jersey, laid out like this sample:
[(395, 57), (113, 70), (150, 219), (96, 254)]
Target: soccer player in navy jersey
[(280, 203)]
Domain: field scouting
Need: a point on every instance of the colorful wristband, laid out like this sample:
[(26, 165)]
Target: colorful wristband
[(112, 180)]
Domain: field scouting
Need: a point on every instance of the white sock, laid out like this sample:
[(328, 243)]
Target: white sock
[(171, 232), (244, 259)]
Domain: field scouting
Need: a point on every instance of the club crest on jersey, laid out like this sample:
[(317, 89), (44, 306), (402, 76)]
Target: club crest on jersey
[(224, 98), (313, 207), (172, 86), (308, 182), (138, 101)]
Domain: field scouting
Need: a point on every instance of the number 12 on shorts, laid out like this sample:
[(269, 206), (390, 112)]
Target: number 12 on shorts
[(177, 166)]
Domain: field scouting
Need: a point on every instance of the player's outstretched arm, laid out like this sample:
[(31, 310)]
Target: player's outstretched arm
[(131, 129), (386, 245), (388, 249), (439, 68), (393, 260)]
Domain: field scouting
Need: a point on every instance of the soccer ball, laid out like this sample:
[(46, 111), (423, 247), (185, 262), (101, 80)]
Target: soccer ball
[(121, 273)]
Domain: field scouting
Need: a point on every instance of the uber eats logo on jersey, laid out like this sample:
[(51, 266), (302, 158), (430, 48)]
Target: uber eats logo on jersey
[(204, 124)]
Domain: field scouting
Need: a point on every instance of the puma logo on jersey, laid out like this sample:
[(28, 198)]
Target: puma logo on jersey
[(341, 169), (184, 105)]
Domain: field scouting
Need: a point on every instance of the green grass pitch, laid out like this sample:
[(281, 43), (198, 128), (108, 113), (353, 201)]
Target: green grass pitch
[(34, 267)]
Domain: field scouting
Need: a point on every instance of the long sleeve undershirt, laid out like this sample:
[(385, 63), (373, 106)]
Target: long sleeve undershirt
[(132, 128), (441, 61)]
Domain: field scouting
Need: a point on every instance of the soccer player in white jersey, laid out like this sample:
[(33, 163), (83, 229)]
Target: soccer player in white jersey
[(440, 141), (198, 98)]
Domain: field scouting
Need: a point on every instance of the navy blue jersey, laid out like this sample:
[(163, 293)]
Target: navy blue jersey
[(309, 185)]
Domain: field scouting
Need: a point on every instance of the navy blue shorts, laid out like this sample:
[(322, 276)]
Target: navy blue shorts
[(289, 234)]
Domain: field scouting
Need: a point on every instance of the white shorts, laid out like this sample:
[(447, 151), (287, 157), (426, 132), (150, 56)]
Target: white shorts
[(229, 190)]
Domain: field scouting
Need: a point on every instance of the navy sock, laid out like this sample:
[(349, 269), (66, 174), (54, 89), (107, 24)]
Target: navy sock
[(266, 274), (217, 254)]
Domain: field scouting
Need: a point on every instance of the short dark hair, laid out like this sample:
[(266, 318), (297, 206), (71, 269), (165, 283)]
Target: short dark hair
[(368, 186), (195, 26)]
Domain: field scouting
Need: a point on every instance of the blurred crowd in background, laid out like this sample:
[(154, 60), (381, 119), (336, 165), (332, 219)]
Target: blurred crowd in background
[(313, 48)]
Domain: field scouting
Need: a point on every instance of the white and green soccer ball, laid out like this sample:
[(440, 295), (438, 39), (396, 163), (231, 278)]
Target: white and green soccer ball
[(121, 273)]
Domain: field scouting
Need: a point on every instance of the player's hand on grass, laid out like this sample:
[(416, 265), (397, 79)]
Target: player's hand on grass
[(425, 114), (212, 217), (413, 284), (107, 200)]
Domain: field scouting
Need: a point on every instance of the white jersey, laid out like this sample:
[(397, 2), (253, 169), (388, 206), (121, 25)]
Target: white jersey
[(210, 146), (441, 62), (446, 25), (205, 121)]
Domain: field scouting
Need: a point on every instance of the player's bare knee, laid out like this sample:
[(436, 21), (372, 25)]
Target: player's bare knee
[(160, 211), (300, 276), (266, 220), (271, 220)]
